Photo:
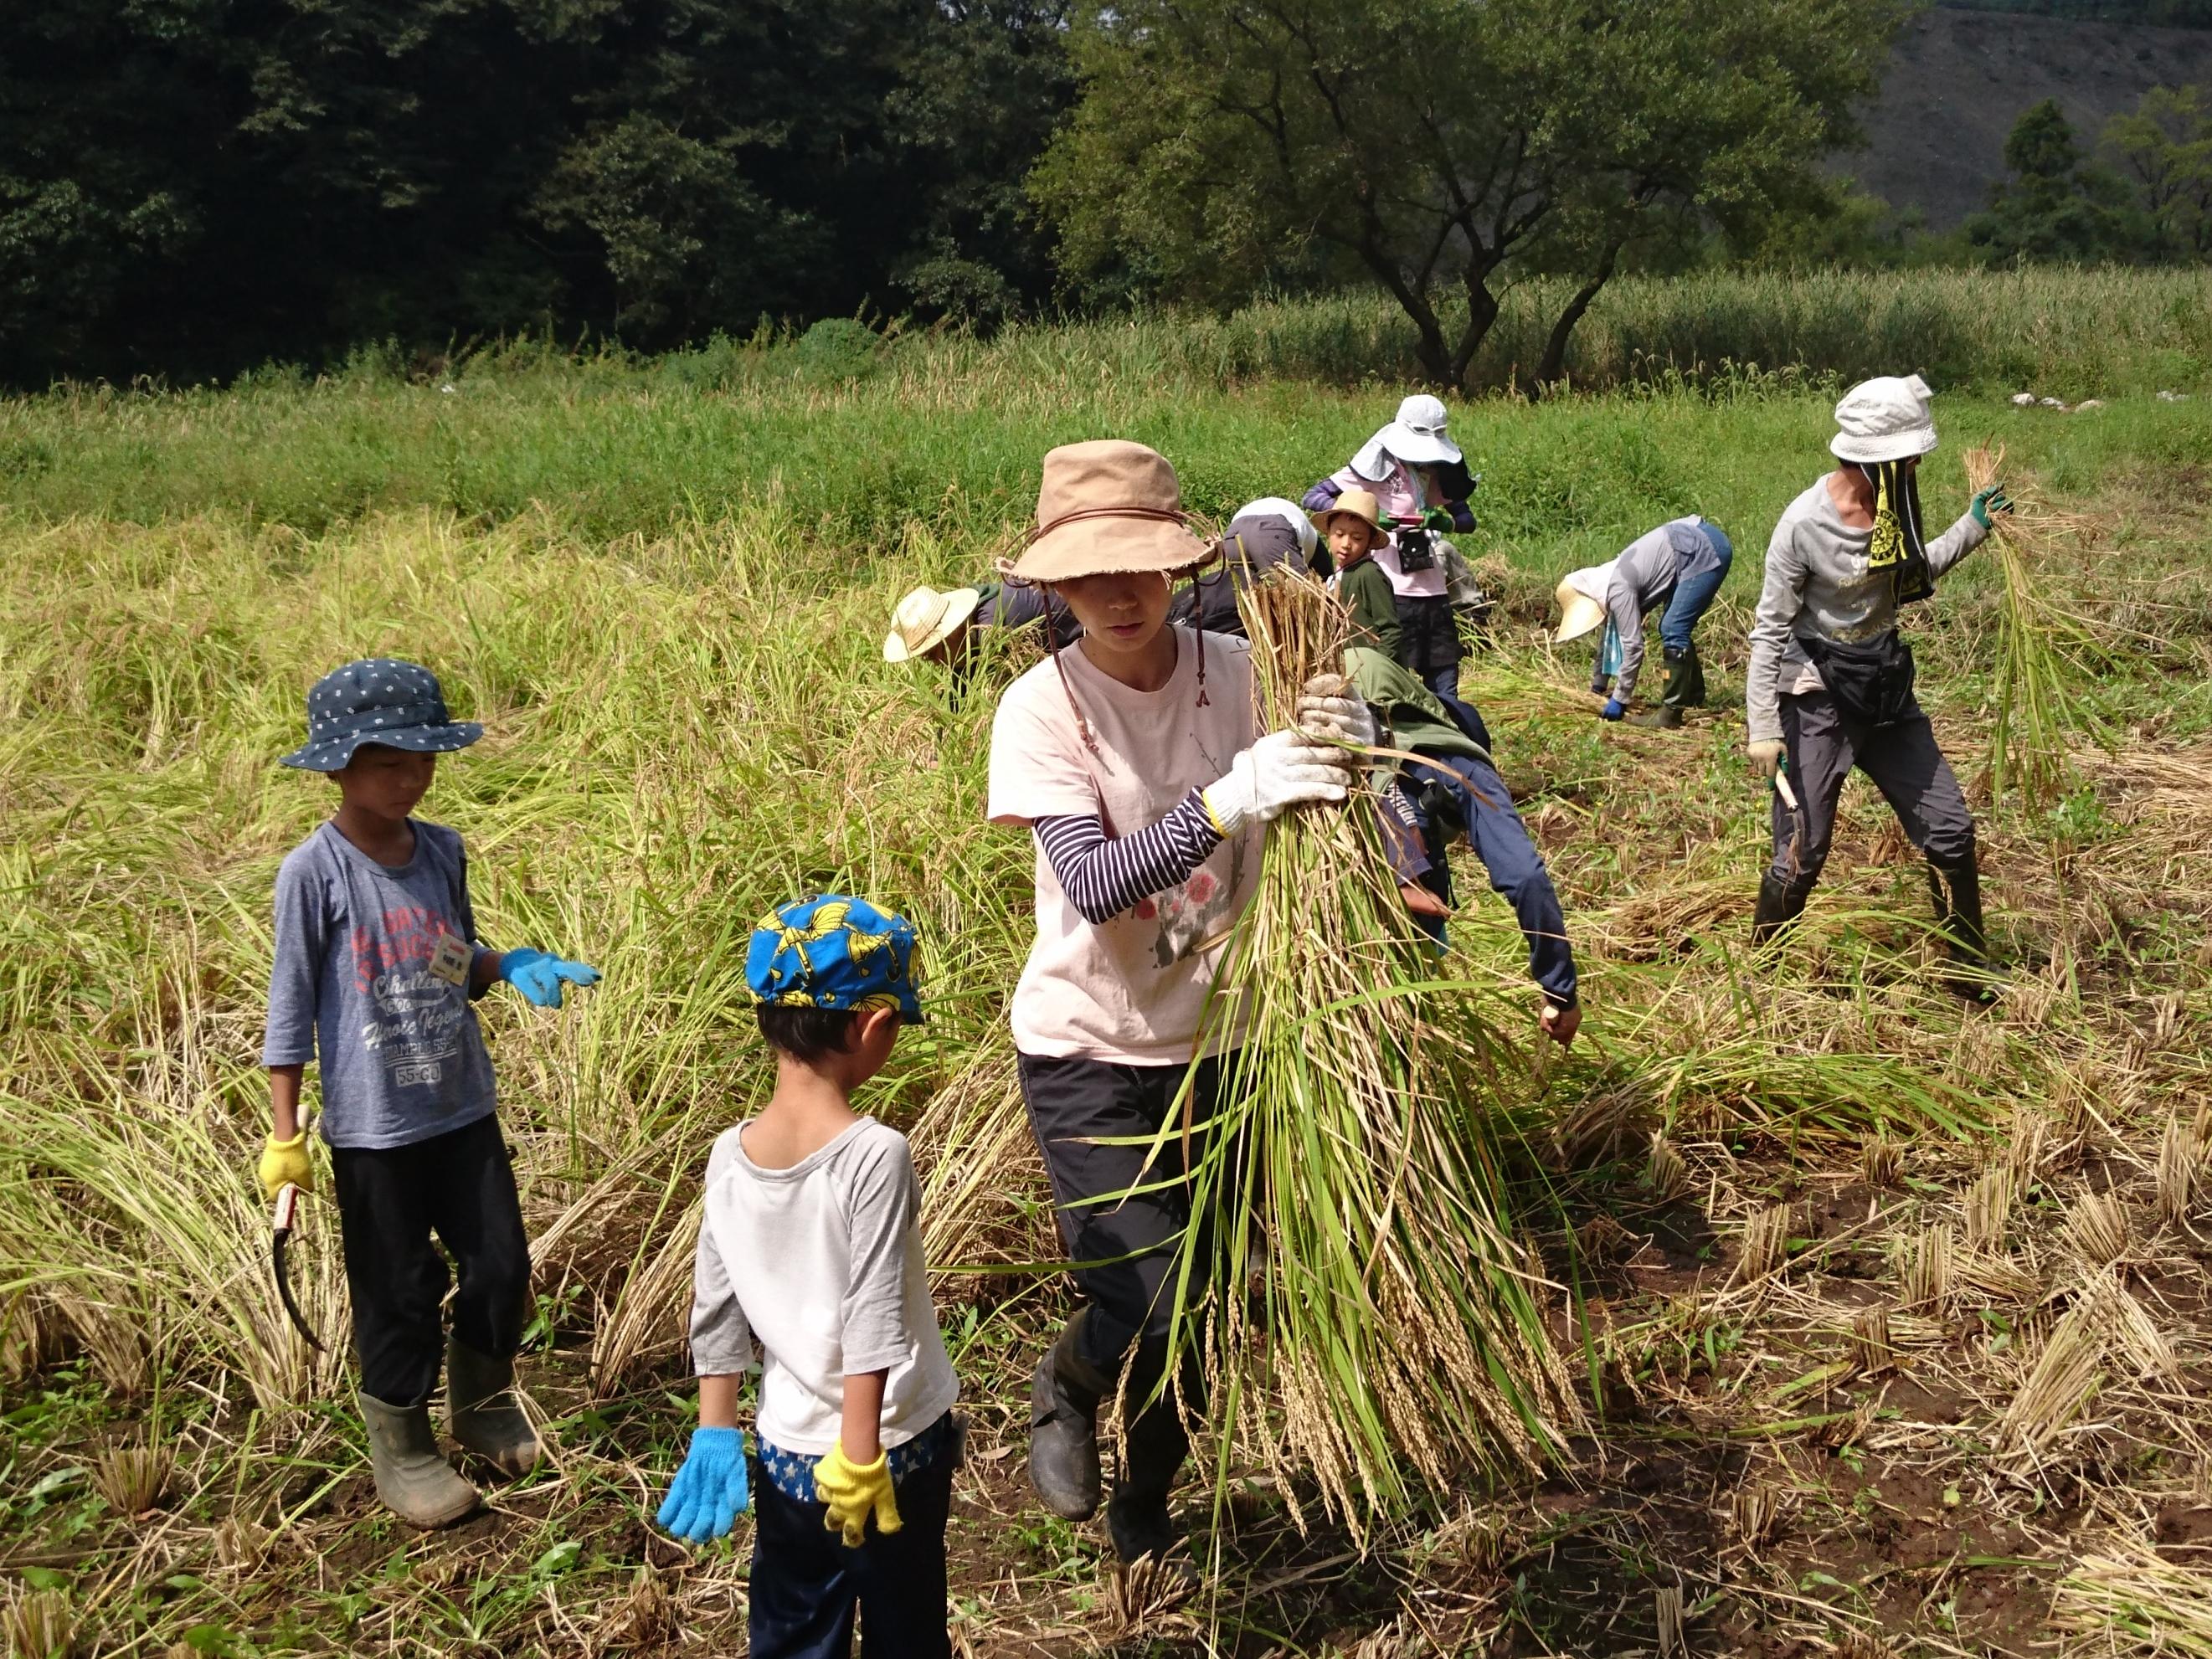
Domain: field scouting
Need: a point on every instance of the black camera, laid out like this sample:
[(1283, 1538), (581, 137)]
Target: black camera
[(1417, 549)]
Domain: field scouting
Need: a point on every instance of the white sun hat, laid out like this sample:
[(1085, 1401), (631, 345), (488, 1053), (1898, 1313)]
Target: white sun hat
[(1884, 419), (1417, 437), (1581, 594), (926, 618)]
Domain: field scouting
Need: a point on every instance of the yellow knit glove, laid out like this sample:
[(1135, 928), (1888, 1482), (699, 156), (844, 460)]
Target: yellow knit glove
[(852, 1489), (284, 1162)]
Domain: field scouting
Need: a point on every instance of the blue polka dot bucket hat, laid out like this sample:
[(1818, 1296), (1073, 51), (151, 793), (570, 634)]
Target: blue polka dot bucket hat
[(834, 951), (378, 700)]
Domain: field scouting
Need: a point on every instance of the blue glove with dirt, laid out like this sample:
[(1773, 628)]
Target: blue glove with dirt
[(710, 1492), (540, 975), (1613, 709)]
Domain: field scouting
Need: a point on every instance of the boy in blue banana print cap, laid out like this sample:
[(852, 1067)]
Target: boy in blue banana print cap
[(811, 1244), (376, 966)]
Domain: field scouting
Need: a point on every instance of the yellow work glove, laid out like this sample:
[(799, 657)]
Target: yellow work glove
[(851, 1489), (285, 1161)]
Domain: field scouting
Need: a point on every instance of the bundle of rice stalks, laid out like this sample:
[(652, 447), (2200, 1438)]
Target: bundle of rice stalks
[(2133, 1600), (1392, 1339), (1765, 1244), (2184, 1166), (39, 1625), (2060, 1385), (2038, 646)]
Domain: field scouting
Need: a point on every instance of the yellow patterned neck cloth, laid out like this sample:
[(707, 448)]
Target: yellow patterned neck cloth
[(1895, 545)]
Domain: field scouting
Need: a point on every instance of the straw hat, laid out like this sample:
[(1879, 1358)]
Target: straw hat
[(1884, 419), (1583, 613), (1361, 505), (1108, 507), (926, 618)]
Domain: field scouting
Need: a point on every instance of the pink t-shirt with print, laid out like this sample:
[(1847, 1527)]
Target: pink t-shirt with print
[(1130, 990)]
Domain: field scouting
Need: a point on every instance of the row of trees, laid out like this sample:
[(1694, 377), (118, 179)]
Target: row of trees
[(193, 186), (2145, 195)]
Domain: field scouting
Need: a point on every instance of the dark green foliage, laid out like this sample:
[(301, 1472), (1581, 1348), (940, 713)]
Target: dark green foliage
[(1223, 145), (190, 187), (2056, 205)]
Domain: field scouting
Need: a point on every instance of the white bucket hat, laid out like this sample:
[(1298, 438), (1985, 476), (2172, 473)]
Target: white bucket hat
[(1884, 419), (926, 618), (1417, 437)]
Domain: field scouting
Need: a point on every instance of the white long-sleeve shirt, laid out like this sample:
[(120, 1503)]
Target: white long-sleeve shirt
[(1818, 585), (822, 1265)]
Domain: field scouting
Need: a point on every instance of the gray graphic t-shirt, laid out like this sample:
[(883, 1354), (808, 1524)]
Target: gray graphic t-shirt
[(371, 972)]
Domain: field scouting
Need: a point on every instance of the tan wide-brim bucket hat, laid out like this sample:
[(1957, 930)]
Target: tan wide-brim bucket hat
[(926, 618), (1581, 614), (1105, 507), (1358, 504)]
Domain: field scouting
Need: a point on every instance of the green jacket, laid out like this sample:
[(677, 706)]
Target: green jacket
[(1366, 592), (1416, 721)]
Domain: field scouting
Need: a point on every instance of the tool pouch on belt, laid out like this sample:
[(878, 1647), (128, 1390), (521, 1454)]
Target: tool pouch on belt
[(1871, 684)]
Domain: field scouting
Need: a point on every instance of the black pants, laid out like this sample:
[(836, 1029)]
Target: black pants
[(1905, 764), (1129, 1247), (807, 1585), (391, 1198)]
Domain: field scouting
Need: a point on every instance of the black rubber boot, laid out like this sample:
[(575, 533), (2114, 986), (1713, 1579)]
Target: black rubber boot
[(1957, 888), (1063, 1426), (1674, 692), (1777, 909), (1137, 1517)]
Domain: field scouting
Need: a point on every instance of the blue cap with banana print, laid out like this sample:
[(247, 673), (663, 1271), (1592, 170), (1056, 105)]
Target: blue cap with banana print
[(834, 951)]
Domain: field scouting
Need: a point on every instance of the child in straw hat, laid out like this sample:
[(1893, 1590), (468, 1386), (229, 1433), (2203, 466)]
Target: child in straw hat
[(1133, 760)]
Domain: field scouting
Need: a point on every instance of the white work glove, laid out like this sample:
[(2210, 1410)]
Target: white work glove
[(1284, 769), (1328, 713), (1767, 757)]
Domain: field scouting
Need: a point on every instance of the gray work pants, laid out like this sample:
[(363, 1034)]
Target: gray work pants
[(1903, 762)]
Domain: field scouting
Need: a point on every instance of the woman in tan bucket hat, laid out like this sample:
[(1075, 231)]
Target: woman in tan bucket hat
[(1132, 758)]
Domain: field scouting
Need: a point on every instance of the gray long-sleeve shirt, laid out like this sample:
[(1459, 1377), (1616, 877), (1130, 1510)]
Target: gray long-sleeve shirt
[(1645, 578), (1818, 585)]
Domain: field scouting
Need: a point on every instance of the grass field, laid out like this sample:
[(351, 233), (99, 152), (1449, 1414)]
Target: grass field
[(1895, 1337)]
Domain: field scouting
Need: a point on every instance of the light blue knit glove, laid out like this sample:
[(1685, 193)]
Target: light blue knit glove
[(710, 1492), (1613, 709), (540, 974)]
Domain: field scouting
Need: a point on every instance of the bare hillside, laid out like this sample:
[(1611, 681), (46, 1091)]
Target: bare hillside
[(1958, 80)]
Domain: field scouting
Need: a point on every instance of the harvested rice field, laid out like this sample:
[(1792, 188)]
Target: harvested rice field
[(1888, 1317)]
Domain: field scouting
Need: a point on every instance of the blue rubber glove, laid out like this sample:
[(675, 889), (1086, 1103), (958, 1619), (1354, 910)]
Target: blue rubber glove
[(1990, 501), (1613, 709), (710, 1492), (540, 974)]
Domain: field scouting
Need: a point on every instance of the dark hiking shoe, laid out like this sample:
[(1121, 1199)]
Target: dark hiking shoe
[(1665, 718), (1063, 1428), (1139, 1525)]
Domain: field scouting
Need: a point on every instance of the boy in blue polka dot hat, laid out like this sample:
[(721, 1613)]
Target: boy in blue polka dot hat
[(811, 1244), (376, 967)]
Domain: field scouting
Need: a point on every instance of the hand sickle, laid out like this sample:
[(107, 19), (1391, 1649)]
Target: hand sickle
[(287, 1208)]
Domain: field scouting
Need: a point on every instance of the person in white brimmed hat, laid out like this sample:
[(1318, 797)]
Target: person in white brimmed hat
[(1677, 569), (1830, 685), (1133, 760), (1409, 466)]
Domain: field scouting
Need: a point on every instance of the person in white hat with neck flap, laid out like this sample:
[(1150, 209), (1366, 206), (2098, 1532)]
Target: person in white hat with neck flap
[(1830, 685), (1402, 466)]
